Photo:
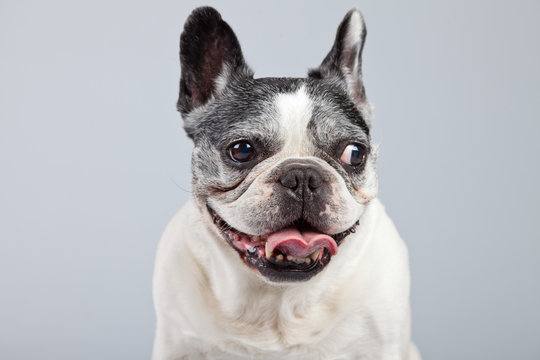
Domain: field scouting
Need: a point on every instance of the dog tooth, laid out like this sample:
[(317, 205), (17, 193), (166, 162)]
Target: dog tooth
[(315, 255), (279, 257), (267, 251), (308, 260), (290, 257)]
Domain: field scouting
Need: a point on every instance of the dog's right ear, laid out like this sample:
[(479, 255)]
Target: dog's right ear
[(210, 56)]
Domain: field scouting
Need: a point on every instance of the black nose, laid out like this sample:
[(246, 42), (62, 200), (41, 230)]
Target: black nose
[(303, 181)]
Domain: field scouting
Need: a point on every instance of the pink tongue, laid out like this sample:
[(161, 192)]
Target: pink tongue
[(291, 242)]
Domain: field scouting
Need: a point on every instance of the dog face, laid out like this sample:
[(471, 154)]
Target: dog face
[(283, 167)]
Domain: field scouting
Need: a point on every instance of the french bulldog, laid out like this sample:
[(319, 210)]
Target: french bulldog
[(284, 250)]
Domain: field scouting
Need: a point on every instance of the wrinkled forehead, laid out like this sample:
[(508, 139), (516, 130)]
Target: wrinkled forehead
[(293, 112)]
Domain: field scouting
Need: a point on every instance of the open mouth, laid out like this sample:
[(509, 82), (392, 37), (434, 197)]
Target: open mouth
[(294, 253)]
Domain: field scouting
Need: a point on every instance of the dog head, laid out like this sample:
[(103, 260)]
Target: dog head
[(283, 167)]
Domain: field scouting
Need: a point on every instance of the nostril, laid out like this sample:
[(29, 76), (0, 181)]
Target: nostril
[(315, 180), (290, 180)]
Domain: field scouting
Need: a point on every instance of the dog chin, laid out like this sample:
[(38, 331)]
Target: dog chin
[(295, 253)]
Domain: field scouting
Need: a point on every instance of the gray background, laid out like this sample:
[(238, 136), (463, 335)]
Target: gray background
[(94, 162)]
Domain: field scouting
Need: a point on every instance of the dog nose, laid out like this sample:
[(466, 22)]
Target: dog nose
[(303, 180)]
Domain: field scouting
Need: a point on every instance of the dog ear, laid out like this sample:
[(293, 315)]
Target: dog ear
[(210, 56), (344, 61)]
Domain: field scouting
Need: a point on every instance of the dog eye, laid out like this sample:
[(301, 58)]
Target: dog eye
[(354, 155), (241, 151)]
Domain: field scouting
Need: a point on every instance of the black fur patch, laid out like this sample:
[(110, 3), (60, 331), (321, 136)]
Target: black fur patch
[(207, 45)]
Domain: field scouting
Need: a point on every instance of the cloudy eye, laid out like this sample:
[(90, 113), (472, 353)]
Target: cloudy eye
[(354, 155), (241, 151)]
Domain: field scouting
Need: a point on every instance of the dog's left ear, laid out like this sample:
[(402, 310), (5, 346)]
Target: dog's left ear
[(210, 57), (344, 61)]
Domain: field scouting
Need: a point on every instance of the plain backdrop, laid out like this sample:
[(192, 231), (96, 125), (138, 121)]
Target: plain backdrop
[(94, 162)]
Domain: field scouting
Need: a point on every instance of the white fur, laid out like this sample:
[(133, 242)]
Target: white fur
[(209, 305), (222, 80), (294, 113), (355, 29), (354, 42)]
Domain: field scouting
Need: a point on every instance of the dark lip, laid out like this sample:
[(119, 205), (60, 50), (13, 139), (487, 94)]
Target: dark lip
[(271, 268)]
